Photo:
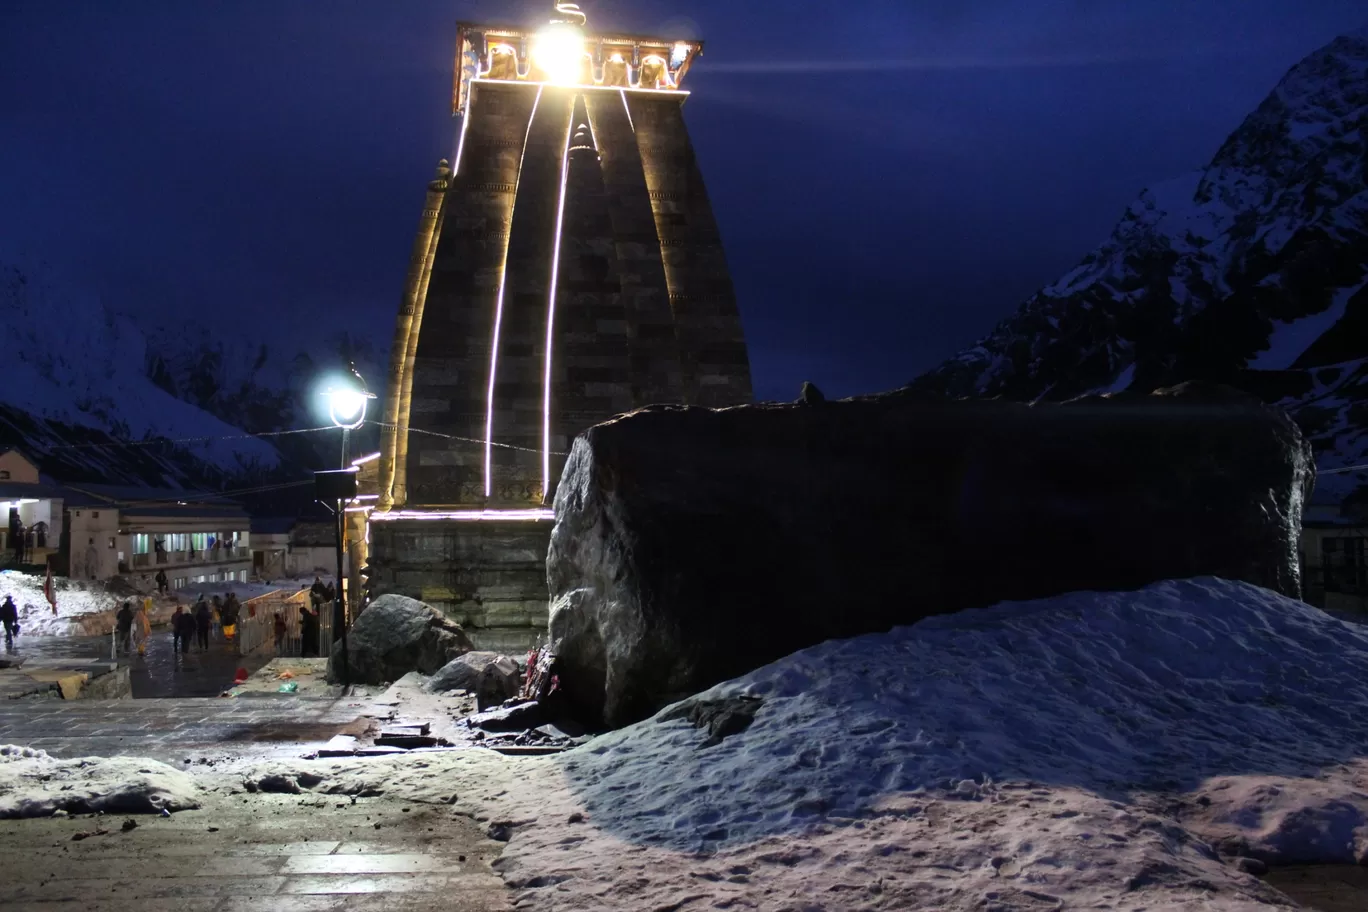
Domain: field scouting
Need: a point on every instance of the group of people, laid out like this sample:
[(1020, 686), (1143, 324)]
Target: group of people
[(193, 625)]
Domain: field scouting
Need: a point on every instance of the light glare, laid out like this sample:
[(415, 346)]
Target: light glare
[(558, 51)]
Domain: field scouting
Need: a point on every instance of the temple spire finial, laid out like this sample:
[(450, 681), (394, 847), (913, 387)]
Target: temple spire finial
[(570, 13)]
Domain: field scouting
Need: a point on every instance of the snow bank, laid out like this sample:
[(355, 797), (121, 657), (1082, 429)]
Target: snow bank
[(1159, 689), (75, 599), (1088, 751), (33, 784)]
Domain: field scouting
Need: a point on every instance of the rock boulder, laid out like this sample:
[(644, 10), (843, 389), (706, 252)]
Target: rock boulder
[(394, 636), (493, 678), (692, 545)]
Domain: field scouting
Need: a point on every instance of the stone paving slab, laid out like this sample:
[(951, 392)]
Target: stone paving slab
[(1324, 888), (249, 852)]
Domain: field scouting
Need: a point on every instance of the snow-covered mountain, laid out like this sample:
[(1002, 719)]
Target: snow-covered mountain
[(261, 386), (1251, 271), (76, 392), (82, 382)]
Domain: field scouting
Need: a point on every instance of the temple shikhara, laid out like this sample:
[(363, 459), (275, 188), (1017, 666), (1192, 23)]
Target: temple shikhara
[(567, 268)]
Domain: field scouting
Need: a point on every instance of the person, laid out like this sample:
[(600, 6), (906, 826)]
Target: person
[(280, 630), (316, 593), (308, 632), (228, 617), (142, 627), (203, 621), (9, 615), (217, 605), (177, 617), (162, 582), (187, 629), (124, 625)]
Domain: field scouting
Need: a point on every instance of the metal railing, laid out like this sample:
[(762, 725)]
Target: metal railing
[(256, 624)]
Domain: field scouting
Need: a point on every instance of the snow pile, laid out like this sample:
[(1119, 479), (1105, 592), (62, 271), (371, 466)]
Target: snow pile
[(33, 784), (77, 600), (1114, 750)]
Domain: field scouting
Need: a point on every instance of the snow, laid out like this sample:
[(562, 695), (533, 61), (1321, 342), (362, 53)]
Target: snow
[(1085, 751), (1123, 382), (71, 359), (1289, 340), (75, 599), (33, 784)]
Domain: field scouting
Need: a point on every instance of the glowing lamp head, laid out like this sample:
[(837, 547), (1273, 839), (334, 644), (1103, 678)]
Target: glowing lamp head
[(558, 51), (347, 400)]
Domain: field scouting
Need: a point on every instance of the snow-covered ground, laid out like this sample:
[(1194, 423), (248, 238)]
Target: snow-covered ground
[(1088, 751), (33, 784)]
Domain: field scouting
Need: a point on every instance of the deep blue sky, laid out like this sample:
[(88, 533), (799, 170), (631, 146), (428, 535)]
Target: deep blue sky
[(891, 176)]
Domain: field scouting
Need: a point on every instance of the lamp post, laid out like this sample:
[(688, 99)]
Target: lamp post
[(347, 402)]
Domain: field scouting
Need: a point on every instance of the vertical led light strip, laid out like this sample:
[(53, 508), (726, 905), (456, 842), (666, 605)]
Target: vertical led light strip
[(630, 123), (498, 313), (460, 146), (551, 306)]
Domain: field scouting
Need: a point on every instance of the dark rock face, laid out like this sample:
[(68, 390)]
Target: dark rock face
[(396, 635), (488, 675), (691, 546)]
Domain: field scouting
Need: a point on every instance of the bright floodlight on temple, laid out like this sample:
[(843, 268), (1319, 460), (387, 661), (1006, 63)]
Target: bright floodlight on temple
[(558, 51)]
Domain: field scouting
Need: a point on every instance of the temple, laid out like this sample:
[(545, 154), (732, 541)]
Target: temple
[(567, 268)]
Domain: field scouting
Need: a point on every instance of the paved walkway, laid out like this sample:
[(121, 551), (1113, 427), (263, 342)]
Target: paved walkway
[(171, 730), (255, 853), (162, 672)]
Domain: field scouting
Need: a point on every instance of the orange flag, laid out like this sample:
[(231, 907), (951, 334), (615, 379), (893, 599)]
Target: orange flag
[(49, 591)]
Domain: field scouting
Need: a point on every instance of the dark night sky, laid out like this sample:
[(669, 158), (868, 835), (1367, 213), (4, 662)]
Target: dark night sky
[(891, 176)]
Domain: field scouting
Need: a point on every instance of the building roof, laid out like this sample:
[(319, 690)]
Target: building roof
[(17, 490)]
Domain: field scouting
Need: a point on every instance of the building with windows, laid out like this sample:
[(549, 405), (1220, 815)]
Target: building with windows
[(1334, 555), (98, 532), (567, 268)]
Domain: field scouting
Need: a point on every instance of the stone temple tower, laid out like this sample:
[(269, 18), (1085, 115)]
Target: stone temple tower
[(567, 268)]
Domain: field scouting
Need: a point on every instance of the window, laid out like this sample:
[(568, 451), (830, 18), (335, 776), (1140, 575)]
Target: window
[(4, 475), (178, 583), (93, 515), (142, 543), (113, 544)]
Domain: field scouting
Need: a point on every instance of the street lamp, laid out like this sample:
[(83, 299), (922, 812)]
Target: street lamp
[(347, 401)]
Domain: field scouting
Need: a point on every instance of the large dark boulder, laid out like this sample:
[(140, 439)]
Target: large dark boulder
[(394, 636), (692, 545)]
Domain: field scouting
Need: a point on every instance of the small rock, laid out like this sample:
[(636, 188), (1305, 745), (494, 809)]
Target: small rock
[(499, 832), (129, 824), (576, 817), (1246, 865), (460, 858)]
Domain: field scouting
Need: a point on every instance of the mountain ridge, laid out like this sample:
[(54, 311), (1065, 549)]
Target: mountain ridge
[(1252, 270)]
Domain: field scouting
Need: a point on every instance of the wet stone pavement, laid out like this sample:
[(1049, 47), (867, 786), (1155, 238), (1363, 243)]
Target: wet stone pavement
[(162, 672)]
